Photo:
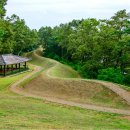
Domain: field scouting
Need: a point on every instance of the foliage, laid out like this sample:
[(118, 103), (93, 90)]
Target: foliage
[(92, 44), (2, 8), (111, 74), (127, 79), (15, 36)]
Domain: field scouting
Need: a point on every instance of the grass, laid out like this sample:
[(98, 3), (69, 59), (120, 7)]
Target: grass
[(72, 90), (125, 87), (27, 113), (59, 70), (77, 91), (6, 81), (63, 71), (18, 112)]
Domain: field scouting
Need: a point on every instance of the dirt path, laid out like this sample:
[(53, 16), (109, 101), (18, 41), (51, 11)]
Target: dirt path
[(14, 87), (114, 87), (123, 93), (117, 89)]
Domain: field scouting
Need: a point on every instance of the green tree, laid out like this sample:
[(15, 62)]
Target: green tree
[(111, 74), (24, 38), (91, 45), (6, 37), (120, 22), (2, 8)]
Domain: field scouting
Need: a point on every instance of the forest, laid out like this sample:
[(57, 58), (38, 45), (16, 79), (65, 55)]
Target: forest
[(97, 49)]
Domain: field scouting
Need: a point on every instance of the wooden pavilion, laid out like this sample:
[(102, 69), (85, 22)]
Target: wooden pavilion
[(10, 63)]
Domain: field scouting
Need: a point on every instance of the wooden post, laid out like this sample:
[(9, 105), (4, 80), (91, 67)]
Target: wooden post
[(19, 66), (4, 70), (16, 66), (25, 65), (1, 70), (1, 67), (12, 67)]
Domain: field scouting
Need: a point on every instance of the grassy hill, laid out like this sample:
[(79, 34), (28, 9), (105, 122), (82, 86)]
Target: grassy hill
[(68, 86), (58, 70), (19, 112)]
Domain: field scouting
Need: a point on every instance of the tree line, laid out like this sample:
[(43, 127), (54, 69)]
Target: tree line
[(96, 48), (15, 36)]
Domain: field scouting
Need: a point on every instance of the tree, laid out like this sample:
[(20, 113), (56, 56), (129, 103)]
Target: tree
[(121, 24), (2, 8), (24, 38), (6, 37), (91, 45)]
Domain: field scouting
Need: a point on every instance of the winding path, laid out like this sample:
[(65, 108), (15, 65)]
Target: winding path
[(115, 88)]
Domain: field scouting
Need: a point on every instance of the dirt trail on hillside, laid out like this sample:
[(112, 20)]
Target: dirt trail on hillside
[(115, 88), (14, 87)]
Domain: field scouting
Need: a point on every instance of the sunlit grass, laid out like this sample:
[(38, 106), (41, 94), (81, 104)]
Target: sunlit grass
[(18, 112)]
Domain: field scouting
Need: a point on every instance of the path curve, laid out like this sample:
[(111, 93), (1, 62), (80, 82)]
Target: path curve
[(112, 86), (14, 87)]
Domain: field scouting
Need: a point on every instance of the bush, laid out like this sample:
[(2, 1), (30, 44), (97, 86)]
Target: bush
[(90, 69), (111, 74), (127, 79)]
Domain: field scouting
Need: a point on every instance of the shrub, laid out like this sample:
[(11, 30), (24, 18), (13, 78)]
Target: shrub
[(90, 69), (127, 79), (111, 74)]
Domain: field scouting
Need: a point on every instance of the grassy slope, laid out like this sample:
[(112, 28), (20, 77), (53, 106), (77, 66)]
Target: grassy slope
[(78, 91), (18, 112), (59, 70)]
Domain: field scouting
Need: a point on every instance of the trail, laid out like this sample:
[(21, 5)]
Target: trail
[(114, 87)]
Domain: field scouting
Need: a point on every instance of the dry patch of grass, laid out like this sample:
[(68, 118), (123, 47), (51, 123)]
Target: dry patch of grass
[(75, 90), (126, 117)]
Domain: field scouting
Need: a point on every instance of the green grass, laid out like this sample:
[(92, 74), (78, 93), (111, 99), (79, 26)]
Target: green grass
[(75, 92), (31, 78), (6, 81), (125, 87), (60, 70), (18, 112), (63, 71), (27, 113), (39, 61)]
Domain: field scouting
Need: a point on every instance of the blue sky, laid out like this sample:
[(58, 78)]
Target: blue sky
[(39, 13)]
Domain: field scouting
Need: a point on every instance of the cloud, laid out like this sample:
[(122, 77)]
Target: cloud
[(39, 13)]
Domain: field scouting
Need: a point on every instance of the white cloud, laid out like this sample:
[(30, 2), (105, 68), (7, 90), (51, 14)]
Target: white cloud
[(39, 13)]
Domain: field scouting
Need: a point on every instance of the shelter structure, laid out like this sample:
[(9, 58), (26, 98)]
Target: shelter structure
[(10, 63)]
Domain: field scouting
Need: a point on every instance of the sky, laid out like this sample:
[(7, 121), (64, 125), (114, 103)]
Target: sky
[(38, 13)]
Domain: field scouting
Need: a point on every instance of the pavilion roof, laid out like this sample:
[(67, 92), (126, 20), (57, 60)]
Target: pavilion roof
[(8, 59)]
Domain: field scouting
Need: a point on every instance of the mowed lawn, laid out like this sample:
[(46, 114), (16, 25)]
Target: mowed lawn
[(18, 112)]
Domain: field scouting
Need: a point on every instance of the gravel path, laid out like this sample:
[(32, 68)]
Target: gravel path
[(115, 88)]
